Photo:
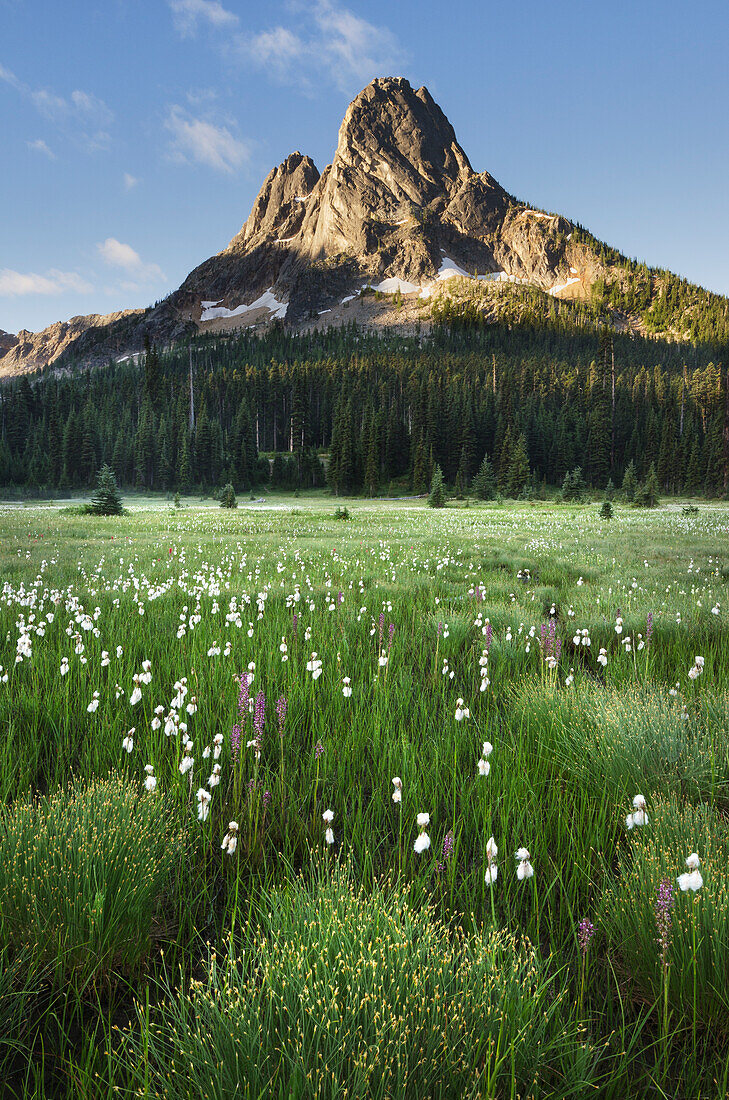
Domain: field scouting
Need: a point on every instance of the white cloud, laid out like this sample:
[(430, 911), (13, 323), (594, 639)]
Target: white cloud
[(130, 181), (82, 117), (10, 78), (15, 283), (117, 254), (39, 146), (188, 13), (331, 40), (199, 140)]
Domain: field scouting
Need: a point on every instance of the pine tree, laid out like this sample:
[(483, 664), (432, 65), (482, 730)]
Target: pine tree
[(227, 497), (184, 472), (630, 482), (573, 486), (437, 489), (647, 494), (106, 501), (484, 483), (519, 472)]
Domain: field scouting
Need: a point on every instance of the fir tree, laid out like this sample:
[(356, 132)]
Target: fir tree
[(437, 489), (647, 494), (106, 501), (519, 472), (630, 482), (484, 483), (227, 497), (573, 486)]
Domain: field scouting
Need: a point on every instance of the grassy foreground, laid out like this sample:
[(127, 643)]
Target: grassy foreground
[(394, 806)]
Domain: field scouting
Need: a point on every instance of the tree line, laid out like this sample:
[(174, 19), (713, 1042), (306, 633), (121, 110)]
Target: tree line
[(368, 413)]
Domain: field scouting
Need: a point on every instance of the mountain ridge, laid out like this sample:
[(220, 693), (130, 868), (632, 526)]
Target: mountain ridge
[(399, 209)]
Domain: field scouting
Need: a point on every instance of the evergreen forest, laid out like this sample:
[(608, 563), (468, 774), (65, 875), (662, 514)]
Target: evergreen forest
[(376, 413)]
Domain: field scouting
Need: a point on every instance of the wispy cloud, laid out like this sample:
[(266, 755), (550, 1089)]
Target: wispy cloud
[(10, 78), (13, 284), (202, 141), (80, 116), (39, 146), (118, 254), (328, 40), (130, 181), (188, 14)]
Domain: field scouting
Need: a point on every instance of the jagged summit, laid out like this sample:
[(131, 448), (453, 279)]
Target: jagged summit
[(398, 197), (279, 209), (399, 207)]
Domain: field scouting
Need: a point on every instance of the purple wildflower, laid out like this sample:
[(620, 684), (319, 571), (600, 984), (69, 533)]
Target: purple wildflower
[(440, 629), (259, 717), (318, 750), (489, 633), (552, 644), (447, 851), (340, 597), (649, 629), (382, 626), (281, 710), (389, 638), (243, 696), (235, 740), (585, 932), (267, 798)]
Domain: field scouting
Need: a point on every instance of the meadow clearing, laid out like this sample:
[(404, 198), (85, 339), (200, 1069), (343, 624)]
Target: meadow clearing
[(412, 804)]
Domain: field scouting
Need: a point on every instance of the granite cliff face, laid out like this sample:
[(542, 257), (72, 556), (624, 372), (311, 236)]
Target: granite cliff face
[(399, 208), (400, 201)]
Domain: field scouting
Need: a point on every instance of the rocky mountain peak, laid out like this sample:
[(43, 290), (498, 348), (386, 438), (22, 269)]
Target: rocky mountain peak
[(279, 209), (399, 207)]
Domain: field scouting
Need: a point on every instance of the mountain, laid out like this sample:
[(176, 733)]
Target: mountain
[(399, 205), (399, 211), (32, 351)]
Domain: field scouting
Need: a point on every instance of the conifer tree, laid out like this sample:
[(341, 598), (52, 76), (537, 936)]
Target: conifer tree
[(437, 489), (519, 472), (106, 501), (647, 494), (227, 497), (630, 482), (484, 483), (573, 486)]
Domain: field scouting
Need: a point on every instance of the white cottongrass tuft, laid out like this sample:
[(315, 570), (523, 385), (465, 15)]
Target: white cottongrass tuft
[(422, 843), (639, 817), (691, 879), (491, 853), (230, 840), (461, 711), (524, 867)]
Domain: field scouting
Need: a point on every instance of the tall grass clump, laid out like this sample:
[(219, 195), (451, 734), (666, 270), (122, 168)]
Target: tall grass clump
[(342, 992), (697, 939), (81, 872), (630, 738)]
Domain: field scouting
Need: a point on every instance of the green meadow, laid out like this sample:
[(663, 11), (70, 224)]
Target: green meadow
[(397, 805)]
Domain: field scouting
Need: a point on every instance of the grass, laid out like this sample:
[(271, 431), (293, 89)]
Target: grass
[(413, 606)]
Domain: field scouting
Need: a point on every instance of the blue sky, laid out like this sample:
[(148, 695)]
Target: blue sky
[(136, 133)]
